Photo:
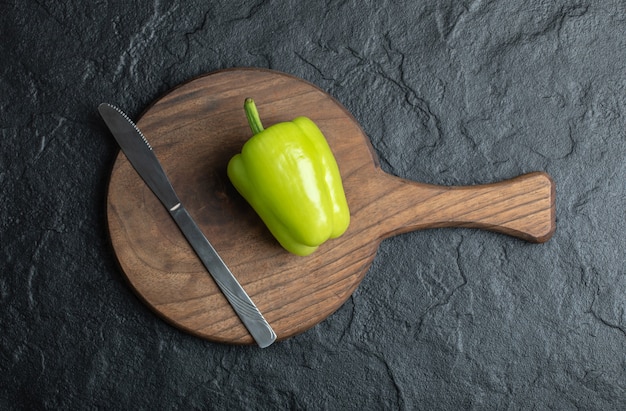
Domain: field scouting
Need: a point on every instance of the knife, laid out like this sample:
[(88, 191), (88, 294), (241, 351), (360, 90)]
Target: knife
[(140, 154)]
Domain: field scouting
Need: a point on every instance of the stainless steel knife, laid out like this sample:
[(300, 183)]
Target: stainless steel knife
[(140, 154)]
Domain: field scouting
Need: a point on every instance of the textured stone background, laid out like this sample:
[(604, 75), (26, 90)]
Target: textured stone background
[(450, 92)]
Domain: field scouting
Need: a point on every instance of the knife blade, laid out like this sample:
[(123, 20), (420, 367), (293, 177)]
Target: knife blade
[(139, 152)]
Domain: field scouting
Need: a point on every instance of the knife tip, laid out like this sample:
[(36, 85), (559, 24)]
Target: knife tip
[(103, 106)]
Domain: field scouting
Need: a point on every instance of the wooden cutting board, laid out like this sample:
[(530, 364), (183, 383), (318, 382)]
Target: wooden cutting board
[(197, 127)]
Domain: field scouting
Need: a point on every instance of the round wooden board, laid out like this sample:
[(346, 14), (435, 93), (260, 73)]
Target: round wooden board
[(194, 130)]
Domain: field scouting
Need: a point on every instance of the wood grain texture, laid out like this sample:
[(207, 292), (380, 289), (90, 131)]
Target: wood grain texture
[(197, 127)]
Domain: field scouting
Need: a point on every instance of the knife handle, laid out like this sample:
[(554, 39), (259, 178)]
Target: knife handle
[(249, 314)]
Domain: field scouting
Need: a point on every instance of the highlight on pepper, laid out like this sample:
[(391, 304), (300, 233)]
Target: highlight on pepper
[(290, 177)]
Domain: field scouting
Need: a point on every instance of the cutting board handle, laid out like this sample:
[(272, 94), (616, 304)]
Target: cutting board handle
[(522, 207)]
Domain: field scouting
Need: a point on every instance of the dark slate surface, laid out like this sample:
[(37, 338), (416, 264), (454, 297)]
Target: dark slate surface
[(450, 92)]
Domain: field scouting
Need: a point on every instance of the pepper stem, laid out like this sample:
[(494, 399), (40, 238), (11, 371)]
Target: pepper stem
[(253, 116)]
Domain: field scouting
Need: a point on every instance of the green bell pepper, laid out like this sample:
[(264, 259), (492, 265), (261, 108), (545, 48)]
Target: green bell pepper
[(289, 176)]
